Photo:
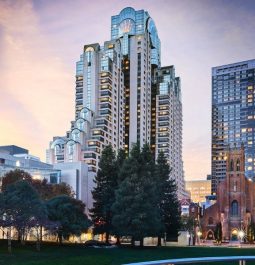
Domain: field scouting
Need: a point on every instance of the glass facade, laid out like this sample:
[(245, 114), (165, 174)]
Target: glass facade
[(233, 116), (129, 23)]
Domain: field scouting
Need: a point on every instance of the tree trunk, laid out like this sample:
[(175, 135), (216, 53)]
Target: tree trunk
[(132, 242), (159, 241), (41, 233), (38, 246), (107, 237), (118, 241), (19, 236), (9, 242), (23, 237), (141, 242), (60, 239)]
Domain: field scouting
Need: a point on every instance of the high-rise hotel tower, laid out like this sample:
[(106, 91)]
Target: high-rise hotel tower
[(123, 96), (233, 116)]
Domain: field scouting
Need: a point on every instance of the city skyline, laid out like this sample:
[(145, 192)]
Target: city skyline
[(39, 46)]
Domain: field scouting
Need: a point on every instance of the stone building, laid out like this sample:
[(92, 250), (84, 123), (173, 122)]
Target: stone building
[(235, 200)]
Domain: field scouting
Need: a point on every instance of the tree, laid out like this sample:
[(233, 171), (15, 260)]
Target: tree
[(15, 175), (218, 233), (103, 193), (61, 189), (121, 157), (22, 208), (69, 213), (5, 221), (135, 209), (43, 188), (168, 200), (46, 190)]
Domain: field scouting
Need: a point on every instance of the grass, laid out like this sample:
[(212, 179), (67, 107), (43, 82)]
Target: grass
[(52, 254)]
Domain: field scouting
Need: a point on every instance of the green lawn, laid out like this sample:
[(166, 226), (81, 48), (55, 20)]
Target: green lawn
[(79, 255)]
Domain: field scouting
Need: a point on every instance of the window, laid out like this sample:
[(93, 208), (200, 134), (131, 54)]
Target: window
[(238, 165), (210, 221), (234, 208), (231, 168)]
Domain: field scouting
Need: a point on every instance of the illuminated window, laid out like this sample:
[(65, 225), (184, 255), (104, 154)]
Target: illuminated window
[(238, 165), (89, 49)]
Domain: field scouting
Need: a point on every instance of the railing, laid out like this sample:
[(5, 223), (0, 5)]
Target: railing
[(241, 259)]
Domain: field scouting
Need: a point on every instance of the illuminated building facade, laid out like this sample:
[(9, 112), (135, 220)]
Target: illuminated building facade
[(169, 123), (14, 157), (198, 190), (116, 97), (233, 116)]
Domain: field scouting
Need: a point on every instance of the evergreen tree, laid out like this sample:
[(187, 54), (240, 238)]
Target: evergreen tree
[(168, 201), (121, 157), (135, 209), (103, 193)]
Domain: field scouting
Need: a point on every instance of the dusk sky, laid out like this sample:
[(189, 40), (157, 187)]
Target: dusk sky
[(41, 40)]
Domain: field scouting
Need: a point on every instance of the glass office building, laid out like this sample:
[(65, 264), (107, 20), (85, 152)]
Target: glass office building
[(233, 116)]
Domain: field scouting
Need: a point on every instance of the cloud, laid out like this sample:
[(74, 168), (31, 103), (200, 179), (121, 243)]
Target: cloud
[(36, 86), (40, 41)]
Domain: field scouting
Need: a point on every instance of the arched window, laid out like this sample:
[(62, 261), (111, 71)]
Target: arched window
[(231, 168), (210, 221), (234, 208), (238, 165)]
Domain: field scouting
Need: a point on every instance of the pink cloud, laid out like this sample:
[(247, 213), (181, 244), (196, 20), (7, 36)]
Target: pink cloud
[(41, 40)]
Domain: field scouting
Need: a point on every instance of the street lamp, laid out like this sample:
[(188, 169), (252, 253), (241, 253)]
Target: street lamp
[(241, 235)]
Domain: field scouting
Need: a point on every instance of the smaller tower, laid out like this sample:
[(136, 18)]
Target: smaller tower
[(232, 192)]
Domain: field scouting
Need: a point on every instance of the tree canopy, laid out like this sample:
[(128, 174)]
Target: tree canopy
[(135, 209), (69, 213), (22, 207), (46, 190)]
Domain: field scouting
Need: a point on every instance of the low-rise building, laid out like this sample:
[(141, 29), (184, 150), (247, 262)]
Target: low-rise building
[(12, 158)]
